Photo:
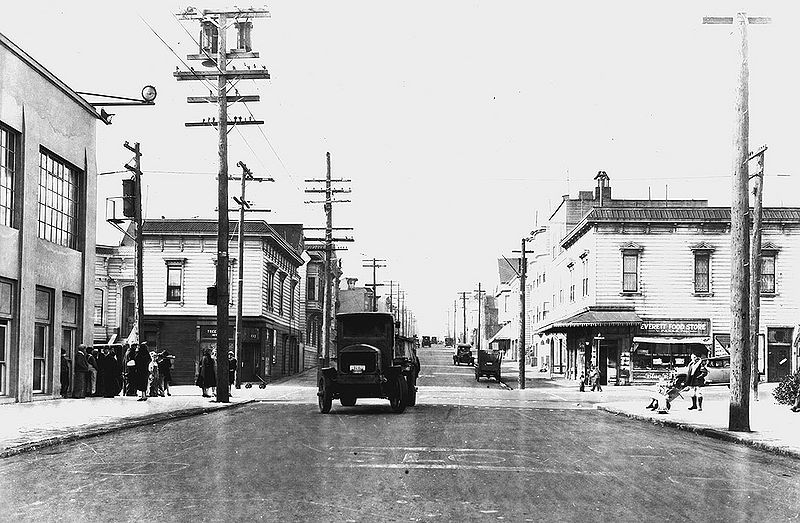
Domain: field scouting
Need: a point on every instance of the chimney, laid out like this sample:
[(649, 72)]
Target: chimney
[(351, 283), (602, 193)]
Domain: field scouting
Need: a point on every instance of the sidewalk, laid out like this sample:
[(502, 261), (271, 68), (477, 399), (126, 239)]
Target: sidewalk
[(30, 426), (773, 427)]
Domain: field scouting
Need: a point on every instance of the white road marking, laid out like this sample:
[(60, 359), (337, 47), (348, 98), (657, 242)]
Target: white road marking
[(447, 466)]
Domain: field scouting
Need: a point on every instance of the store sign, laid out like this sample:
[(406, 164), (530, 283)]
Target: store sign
[(250, 333), (699, 327)]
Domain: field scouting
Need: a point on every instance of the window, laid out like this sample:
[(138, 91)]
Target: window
[(8, 159), (98, 306), (311, 288), (571, 283), (630, 271), (292, 289), (41, 338), (59, 190), (3, 344), (767, 273), (281, 285), (271, 290), (174, 281), (702, 266), (585, 276)]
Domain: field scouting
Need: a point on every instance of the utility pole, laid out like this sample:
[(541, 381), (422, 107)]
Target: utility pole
[(739, 411), (138, 241), (478, 333), (244, 206), (214, 25), (401, 295), (329, 247), (455, 319), (523, 271), (374, 264), (755, 269), (464, 306)]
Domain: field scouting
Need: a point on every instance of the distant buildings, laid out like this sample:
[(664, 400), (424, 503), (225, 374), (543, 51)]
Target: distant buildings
[(48, 201)]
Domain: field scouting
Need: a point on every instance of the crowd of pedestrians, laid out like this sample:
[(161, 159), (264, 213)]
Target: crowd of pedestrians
[(103, 372)]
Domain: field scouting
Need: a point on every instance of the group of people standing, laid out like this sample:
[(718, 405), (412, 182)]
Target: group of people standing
[(101, 373)]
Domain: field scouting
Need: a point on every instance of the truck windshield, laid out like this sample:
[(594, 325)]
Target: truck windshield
[(364, 327)]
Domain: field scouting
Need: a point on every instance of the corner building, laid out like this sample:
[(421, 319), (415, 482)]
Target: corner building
[(48, 201), (636, 286), (179, 266)]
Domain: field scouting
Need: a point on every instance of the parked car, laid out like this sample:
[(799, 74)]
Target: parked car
[(463, 354), (488, 364), (719, 371)]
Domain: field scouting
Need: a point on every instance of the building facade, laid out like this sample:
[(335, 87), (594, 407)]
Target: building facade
[(635, 286), (180, 265), (47, 224), (114, 293)]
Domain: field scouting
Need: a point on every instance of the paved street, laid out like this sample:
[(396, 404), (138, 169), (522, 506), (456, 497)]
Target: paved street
[(468, 451)]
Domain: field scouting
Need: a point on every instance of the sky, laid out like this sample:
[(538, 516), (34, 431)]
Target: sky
[(459, 123)]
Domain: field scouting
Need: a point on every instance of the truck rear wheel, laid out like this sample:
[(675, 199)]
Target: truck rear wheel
[(325, 398), (400, 400), (412, 391)]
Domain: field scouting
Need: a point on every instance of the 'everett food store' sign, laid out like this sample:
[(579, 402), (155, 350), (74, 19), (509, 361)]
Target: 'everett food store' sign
[(675, 327)]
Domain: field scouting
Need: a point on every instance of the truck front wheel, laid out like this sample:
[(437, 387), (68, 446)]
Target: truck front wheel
[(399, 400), (325, 398)]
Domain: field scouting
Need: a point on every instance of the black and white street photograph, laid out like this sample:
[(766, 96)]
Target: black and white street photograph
[(427, 261)]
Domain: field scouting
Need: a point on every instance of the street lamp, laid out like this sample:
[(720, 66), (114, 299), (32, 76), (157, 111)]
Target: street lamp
[(522, 270)]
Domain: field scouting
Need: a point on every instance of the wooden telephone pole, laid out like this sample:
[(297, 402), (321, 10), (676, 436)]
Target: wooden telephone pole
[(244, 206), (739, 412), (464, 306), (136, 169), (329, 248), (374, 264), (478, 336), (214, 54), (755, 269)]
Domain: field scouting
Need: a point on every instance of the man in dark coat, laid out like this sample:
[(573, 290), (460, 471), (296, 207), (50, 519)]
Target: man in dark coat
[(111, 372), (208, 375), (165, 371), (141, 372), (81, 372), (231, 369), (64, 374), (695, 378)]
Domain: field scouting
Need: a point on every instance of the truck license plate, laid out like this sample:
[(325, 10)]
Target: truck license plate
[(357, 369)]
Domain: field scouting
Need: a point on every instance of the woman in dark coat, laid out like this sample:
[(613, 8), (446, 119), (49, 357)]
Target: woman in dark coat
[(111, 370), (141, 372), (208, 375), (81, 371)]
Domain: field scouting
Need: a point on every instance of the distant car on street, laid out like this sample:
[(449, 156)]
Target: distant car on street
[(449, 342), (719, 371), (426, 341), (463, 354), (488, 364)]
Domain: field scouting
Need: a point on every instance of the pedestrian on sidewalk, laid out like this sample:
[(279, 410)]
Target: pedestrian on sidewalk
[(594, 377), (696, 373), (153, 377), (796, 406), (129, 372), (64, 374), (141, 370), (165, 370), (207, 376), (81, 373), (583, 383), (91, 361), (231, 370), (109, 374)]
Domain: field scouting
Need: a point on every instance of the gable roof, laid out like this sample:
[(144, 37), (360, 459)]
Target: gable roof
[(507, 271)]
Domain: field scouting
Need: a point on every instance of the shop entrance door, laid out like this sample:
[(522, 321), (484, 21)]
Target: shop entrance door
[(251, 362), (778, 353), (607, 361)]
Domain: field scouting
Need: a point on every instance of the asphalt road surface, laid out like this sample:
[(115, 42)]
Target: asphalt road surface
[(461, 454)]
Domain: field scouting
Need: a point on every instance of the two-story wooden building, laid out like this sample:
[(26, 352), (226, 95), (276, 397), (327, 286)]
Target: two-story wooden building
[(636, 286), (179, 265), (48, 201)]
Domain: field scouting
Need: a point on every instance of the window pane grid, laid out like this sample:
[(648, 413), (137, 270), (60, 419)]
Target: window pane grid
[(630, 273), (768, 273), (701, 277), (58, 201), (7, 175)]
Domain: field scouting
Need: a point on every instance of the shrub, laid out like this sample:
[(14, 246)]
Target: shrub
[(786, 391)]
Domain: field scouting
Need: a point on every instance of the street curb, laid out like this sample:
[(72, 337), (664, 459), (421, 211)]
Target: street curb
[(97, 430), (719, 434)]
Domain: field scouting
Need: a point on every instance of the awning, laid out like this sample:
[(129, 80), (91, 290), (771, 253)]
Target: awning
[(594, 318), (686, 339), (508, 332)]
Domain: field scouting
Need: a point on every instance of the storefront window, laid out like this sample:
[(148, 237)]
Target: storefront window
[(654, 360)]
